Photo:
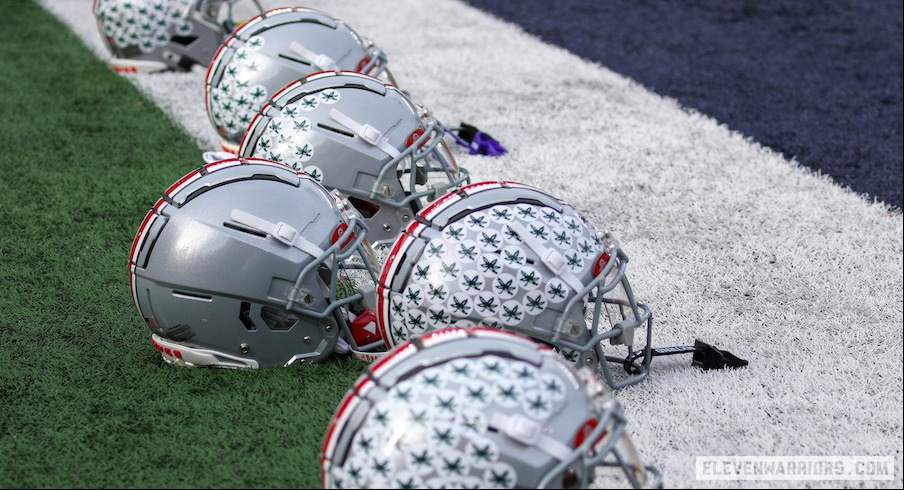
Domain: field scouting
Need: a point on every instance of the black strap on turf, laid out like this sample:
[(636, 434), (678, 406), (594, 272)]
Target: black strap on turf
[(705, 356)]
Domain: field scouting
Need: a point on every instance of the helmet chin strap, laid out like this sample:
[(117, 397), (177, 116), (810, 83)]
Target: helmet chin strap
[(550, 257), (529, 432), (321, 61), (366, 132), (280, 232)]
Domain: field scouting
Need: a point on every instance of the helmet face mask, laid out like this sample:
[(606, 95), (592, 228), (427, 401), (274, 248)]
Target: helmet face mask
[(510, 256), (480, 408), (364, 138), (428, 168), (160, 35), (247, 263), (271, 51)]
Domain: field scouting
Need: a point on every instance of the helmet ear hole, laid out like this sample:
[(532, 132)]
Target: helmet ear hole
[(278, 319), (184, 40), (367, 208)]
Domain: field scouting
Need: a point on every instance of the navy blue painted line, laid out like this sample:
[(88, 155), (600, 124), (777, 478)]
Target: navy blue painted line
[(816, 80)]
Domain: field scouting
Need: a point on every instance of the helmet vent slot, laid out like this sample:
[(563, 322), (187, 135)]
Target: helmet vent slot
[(244, 230), (192, 296), (296, 60), (245, 316), (336, 130)]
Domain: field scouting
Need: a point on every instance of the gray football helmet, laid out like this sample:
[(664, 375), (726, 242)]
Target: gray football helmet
[(246, 263), (479, 408), (511, 256), (155, 35), (273, 50), (362, 137)]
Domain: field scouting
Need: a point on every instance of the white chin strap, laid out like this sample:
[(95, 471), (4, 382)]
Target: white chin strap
[(366, 132), (550, 257), (342, 346), (281, 232), (321, 61), (530, 433)]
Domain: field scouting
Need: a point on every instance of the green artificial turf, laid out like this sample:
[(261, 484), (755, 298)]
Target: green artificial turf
[(85, 400)]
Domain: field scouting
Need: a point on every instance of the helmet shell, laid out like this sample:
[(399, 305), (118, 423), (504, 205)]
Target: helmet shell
[(273, 50), (159, 35), (204, 281), (508, 255), (475, 407)]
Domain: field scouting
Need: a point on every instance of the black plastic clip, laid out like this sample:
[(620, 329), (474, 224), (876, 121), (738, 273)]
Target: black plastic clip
[(709, 357)]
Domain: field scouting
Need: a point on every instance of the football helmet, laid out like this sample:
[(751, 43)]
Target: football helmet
[(508, 255), (155, 35), (362, 137), (479, 408), (246, 263), (272, 50)]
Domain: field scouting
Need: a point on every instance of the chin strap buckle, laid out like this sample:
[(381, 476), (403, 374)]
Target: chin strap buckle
[(529, 433), (709, 357), (370, 134), (285, 233), (550, 257), (366, 132)]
